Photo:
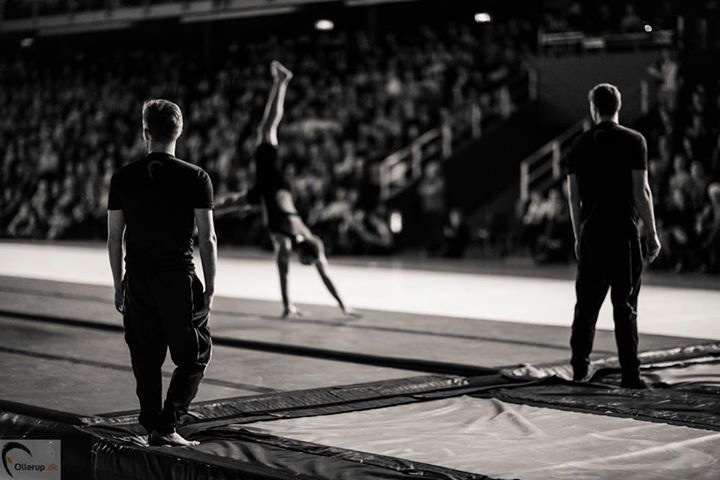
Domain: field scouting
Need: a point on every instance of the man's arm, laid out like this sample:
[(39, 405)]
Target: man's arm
[(116, 229), (642, 196), (207, 242), (574, 203)]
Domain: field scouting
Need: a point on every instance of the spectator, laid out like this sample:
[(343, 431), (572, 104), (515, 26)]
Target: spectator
[(25, 224), (431, 190), (666, 73), (533, 219), (679, 223), (457, 234), (656, 177), (630, 22), (554, 242), (698, 185), (709, 230), (365, 232), (680, 180)]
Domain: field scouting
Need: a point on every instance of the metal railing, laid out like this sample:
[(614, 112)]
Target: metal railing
[(69, 11), (21, 15), (581, 42), (404, 167), (543, 169)]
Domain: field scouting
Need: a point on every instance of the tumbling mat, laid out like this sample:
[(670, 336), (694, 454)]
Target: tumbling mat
[(493, 426)]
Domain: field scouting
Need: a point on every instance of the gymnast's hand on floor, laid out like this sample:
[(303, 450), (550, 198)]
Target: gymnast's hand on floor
[(351, 312), (292, 312)]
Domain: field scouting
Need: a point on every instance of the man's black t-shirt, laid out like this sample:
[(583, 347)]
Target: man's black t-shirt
[(603, 159), (158, 195)]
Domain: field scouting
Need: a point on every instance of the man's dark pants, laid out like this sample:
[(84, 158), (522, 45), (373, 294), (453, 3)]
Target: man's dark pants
[(165, 309), (615, 264)]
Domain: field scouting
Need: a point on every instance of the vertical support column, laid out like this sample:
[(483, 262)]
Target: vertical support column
[(533, 84), (446, 135), (644, 97), (416, 159), (524, 181), (476, 120), (556, 159), (384, 185)]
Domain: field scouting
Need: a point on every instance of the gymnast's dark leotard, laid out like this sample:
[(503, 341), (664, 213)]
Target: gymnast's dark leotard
[(269, 181)]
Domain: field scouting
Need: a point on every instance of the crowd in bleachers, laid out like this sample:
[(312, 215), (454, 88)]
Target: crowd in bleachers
[(544, 230), (684, 170), (67, 124)]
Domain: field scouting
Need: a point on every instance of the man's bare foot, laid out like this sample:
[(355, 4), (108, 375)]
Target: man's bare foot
[(173, 439), (280, 71)]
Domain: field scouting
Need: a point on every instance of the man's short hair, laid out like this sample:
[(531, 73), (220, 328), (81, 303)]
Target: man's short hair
[(163, 119), (606, 98)]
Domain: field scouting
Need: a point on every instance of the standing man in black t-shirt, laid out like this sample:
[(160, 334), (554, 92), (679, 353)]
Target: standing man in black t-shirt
[(155, 204), (608, 191)]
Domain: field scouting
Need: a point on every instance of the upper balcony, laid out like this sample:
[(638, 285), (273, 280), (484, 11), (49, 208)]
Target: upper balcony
[(68, 16)]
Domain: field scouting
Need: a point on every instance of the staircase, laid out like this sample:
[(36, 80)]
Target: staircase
[(543, 169), (458, 129)]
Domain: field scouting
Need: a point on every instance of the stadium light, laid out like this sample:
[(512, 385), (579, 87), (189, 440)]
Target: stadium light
[(648, 28), (27, 42), (483, 17), (324, 25)]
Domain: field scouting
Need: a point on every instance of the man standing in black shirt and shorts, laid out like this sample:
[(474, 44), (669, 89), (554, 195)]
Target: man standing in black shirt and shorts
[(155, 204), (608, 193), (287, 230)]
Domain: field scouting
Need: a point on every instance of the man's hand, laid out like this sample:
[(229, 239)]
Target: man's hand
[(653, 247), (120, 300), (209, 297)]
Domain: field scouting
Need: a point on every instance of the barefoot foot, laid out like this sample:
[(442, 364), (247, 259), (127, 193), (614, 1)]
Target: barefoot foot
[(173, 439), (280, 71)]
